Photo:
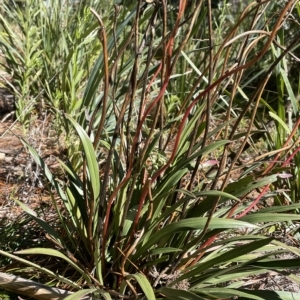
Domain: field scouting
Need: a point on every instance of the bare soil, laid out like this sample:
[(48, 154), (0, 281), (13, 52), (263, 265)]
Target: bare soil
[(20, 177)]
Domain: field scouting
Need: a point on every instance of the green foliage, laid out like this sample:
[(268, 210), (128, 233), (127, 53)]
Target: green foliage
[(152, 207), (49, 49), (7, 295)]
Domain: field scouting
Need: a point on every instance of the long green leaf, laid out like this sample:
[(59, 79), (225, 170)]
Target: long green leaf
[(193, 224), (171, 180), (175, 294), (79, 294), (281, 122), (173, 208), (45, 225), (40, 269), (237, 189), (89, 152), (244, 294), (289, 90), (278, 264), (185, 161), (269, 217), (278, 209), (230, 274), (225, 257), (56, 253), (164, 250), (144, 284)]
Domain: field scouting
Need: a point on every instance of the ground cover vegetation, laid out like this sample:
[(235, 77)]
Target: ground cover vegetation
[(180, 173)]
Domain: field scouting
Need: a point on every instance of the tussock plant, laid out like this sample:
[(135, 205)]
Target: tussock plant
[(165, 191)]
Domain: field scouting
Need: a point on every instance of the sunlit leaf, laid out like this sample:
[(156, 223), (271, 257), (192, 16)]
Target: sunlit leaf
[(56, 253), (194, 224), (144, 284), (258, 217), (89, 153), (224, 257), (164, 250), (40, 269), (78, 295)]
